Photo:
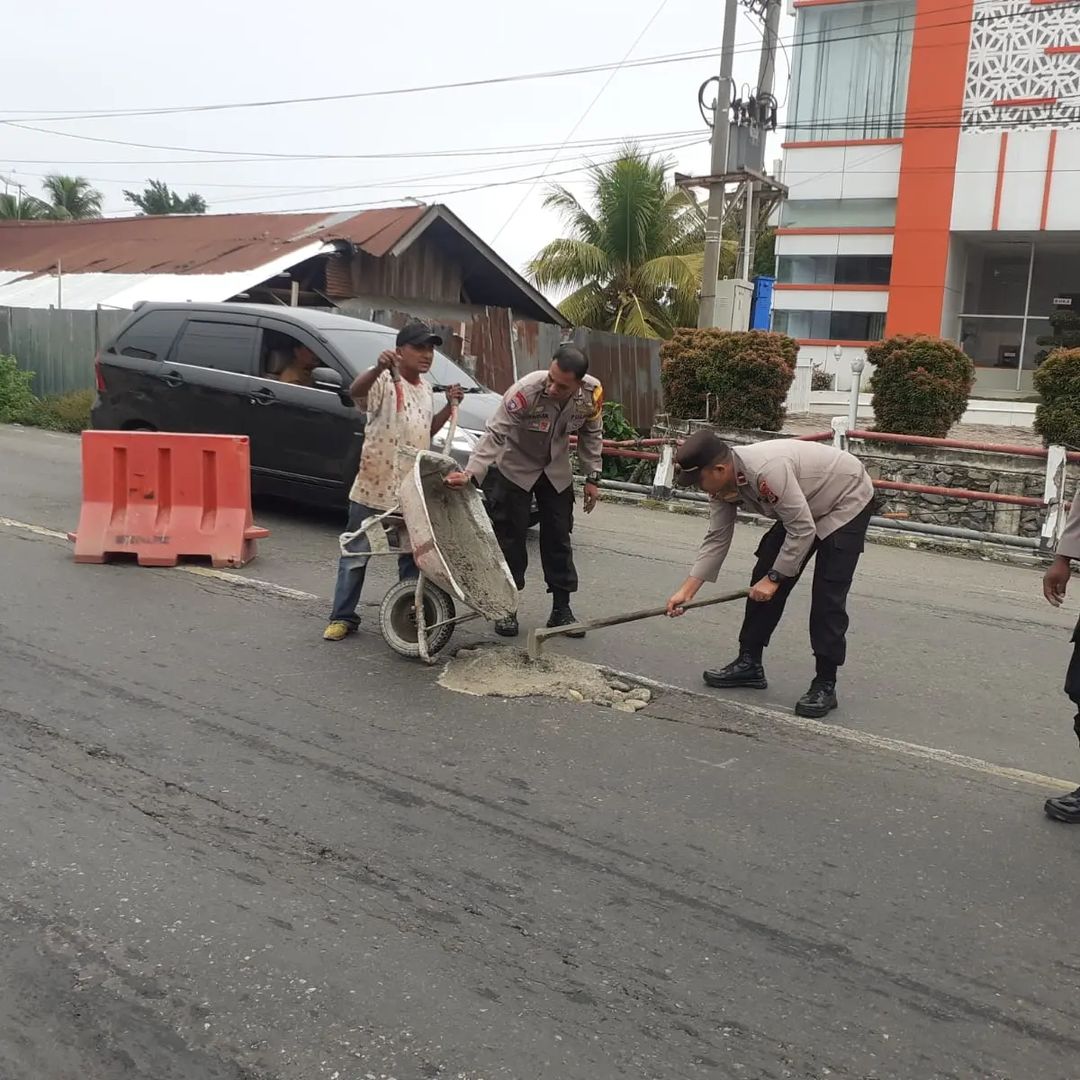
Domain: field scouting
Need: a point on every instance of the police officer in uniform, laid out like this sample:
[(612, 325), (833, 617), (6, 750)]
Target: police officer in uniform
[(528, 442), (1055, 581), (821, 500)]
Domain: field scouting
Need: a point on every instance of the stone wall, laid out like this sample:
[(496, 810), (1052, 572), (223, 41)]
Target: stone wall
[(1006, 474)]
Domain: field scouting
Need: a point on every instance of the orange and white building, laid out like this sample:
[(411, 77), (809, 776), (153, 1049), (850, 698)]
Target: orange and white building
[(933, 166)]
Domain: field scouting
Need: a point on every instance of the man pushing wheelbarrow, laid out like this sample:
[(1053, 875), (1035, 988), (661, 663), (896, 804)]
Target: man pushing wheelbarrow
[(400, 411)]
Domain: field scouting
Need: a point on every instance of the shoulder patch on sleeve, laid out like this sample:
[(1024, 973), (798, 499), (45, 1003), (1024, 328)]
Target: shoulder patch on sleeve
[(597, 402), (516, 403), (765, 492)]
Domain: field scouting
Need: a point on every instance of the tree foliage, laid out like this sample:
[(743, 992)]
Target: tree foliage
[(158, 199), (72, 198), (633, 262)]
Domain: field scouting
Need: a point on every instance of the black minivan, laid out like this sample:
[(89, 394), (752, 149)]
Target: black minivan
[(210, 368)]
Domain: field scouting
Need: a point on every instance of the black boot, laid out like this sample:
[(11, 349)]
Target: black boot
[(1064, 807), (747, 671), (818, 701), (562, 615), (507, 627)]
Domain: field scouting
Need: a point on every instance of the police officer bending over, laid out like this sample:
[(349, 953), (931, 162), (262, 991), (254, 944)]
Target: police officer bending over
[(821, 499), (528, 442)]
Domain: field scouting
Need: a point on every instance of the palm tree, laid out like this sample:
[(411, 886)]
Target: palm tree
[(159, 198), (72, 198), (634, 262), (12, 208)]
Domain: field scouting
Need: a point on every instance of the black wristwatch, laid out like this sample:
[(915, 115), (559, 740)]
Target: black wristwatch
[(592, 478), (774, 577)]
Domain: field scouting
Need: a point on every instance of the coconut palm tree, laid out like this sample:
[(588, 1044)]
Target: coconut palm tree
[(633, 262), (72, 198), (12, 208)]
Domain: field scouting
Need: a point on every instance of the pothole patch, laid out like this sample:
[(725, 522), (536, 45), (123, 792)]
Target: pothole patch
[(499, 671)]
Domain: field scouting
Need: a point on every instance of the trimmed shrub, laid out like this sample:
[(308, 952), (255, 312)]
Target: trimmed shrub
[(1057, 417), (734, 379), (920, 385), (820, 379)]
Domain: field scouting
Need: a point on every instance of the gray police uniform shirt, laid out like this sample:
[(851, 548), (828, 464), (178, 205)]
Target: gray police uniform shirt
[(529, 434), (1069, 544), (812, 488)]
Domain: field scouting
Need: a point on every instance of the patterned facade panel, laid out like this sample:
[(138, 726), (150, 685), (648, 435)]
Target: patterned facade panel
[(1009, 61)]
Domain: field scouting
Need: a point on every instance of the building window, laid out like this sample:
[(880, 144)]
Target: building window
[(826, 270), (1011, 288), (831, 325), (851, 70), (838, 213)]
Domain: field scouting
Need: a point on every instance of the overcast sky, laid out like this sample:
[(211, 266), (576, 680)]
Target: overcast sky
[(121, 55)]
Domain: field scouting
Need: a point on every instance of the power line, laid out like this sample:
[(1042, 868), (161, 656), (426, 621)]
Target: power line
[(483, 151), (581, 119), (666, 58), (645, 61)]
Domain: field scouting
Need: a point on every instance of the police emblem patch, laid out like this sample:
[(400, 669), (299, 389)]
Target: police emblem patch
[(765, 492), (516, 403)]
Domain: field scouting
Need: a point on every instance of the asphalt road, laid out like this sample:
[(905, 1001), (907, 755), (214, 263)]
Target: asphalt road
[(231, 850)]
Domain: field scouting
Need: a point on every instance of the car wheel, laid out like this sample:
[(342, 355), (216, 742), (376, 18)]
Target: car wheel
[(397, 618)]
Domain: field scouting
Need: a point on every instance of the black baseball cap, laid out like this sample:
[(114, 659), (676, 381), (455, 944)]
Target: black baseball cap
[(699, 451), (417, 333)]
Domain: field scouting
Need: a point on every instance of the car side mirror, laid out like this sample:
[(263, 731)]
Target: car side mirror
[(324, 378)]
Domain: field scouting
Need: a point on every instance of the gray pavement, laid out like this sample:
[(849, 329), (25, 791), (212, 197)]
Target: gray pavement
[(231, 850)]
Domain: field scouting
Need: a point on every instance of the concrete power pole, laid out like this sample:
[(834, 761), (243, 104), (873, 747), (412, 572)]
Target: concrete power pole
[(718, 168), (766, 78)]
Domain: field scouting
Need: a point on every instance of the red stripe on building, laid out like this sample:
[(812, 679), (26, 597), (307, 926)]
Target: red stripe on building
[(1003, 150), (1048, 182), (939, 57), (1024, 102)]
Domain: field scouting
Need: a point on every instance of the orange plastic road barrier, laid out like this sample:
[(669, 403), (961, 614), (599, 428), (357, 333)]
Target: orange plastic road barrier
[(163, 496)]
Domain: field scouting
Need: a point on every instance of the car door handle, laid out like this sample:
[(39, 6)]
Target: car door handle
[(173, 378), (263, 396)]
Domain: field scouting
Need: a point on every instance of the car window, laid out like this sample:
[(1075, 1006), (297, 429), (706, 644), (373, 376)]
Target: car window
[(150, 336), (222, 346), (289, 359), (362, 347)]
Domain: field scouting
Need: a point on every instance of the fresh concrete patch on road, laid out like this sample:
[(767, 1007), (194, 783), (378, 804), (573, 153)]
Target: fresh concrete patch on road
[(504, 672)]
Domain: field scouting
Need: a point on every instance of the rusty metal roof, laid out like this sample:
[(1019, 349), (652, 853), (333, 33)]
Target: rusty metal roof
[(192, 244), (215, 256)]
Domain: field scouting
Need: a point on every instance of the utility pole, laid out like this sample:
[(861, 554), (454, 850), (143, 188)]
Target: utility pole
[(766, 77), (718, 168)]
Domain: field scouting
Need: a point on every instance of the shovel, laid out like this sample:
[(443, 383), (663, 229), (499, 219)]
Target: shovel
[(538, 636)]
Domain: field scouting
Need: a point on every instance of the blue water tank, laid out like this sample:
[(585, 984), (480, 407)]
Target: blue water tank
[(761, 305)]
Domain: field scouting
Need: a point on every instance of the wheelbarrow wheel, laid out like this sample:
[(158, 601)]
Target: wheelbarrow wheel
[(397, 618)]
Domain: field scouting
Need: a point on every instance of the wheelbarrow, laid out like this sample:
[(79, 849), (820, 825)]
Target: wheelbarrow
[(450, 538)]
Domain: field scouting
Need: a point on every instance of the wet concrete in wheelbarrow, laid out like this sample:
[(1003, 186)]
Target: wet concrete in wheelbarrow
[(505, 672)]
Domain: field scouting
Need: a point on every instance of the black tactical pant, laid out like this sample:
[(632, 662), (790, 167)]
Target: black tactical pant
[(837, 557), (510, 507), (1072, 678)]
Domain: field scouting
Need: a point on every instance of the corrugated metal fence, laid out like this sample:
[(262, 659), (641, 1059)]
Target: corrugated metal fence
[(59, 346)]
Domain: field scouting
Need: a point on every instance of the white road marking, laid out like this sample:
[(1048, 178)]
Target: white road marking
[(199, 571), (865, 739), (714, 764)]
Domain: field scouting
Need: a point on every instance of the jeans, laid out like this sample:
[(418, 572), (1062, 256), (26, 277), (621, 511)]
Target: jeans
[(351, 571)]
